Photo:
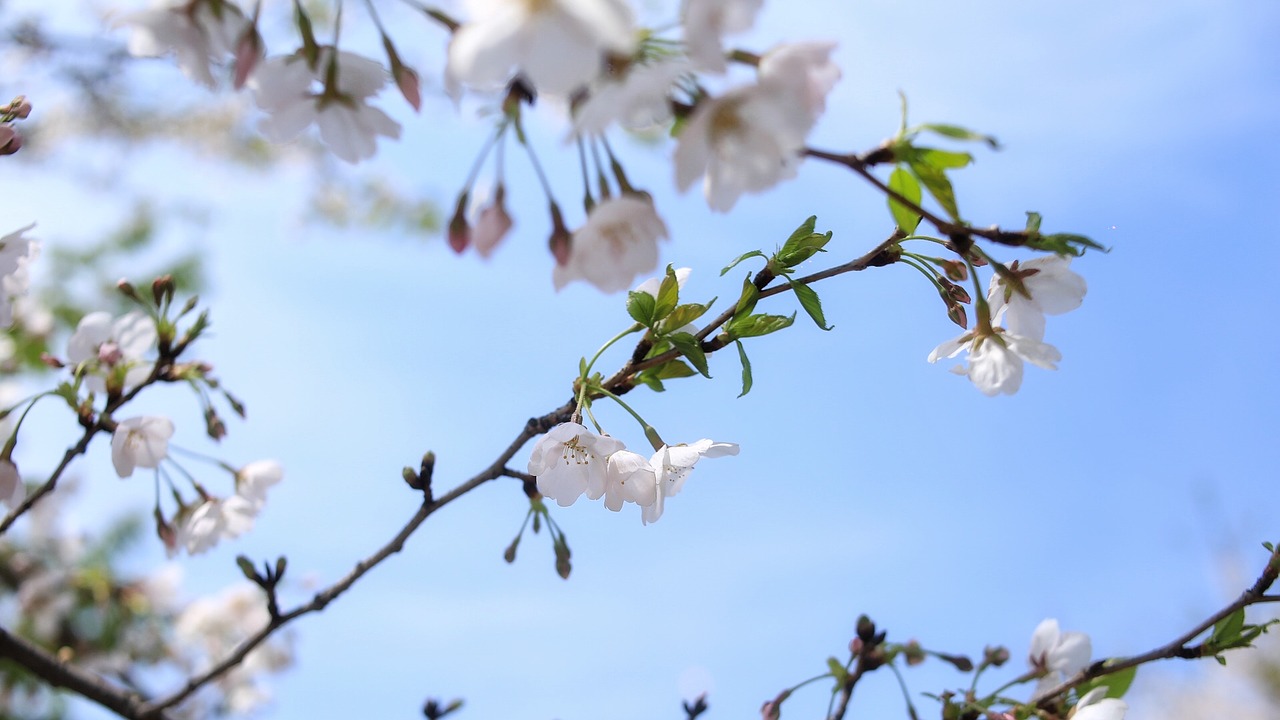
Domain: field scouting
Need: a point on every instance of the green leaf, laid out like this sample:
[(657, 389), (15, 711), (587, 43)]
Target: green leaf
[(692, 349), (943, 159), (837, 670), (683, 315), (1033, 222), (668, 295), (936, 182), (901, 182), (803, 244), (959, 133), (1117, 683), (746, 301), (1227, 630), (743, 256), (757, 325), (746, 368), (805, 230), (809, 301), (671, 369), (1065, 244), (641, 306)]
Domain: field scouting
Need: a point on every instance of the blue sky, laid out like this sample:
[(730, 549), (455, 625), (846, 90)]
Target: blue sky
[(1107, 494)]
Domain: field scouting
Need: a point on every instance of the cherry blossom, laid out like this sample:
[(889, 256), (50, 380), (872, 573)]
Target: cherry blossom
[(1057, 654), (253, 479), (995, 359), (215, 519), (16, 253), (628, 478), (493, 224), (747, 140), (197, 33), (618, 242), (140, 442), (706, 22), (12, 491), (283, 86), (802, 72), (111, 350), (672, 465), (569, 459), (558, 45), (638, 99), (1096, 706), (1054, 289)]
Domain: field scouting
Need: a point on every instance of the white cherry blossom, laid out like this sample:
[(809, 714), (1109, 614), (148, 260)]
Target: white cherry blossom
[(618, 242), (637, 100), (253, 479), (215, 519), (569, 459), (628, 478), (995, 360), (1057, 654), (1096, 706), (289, 91), (140, 442), (707, 22), (672, 465), (558, 45), (16, 253), (198, 34), (1054, 287), (802, 72), (747, 140), (112, 350), (12, 491)]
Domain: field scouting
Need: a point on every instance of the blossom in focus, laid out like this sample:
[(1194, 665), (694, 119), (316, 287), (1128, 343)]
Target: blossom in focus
[(198, 34), (706, 22), (569, 459), (284, 87), (140, 442), (1054, 288), (747, 140), (558, 45), (1057, 654), (253, 479), (637, 100), (672, 465), (213, 520), (16, 253), (12, 491), (1096, 706), (628, 478), (995, 360), (802, 72), (618, 242), (111, 350)]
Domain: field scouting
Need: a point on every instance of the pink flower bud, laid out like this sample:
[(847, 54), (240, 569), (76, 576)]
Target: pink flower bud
[(407, 81), (459, 230), (248, 52), (560, 237), (493, 224)]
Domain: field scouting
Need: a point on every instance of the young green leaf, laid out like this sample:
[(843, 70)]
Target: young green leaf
[(692, 349), (797, 250), (746, 368), (682, 315), (958, 133), (757, 325), (936, 182), (1117, 684), (901, 182), (746, 301), (743, 256), (668, 295), (809, 301), (943, 159), (1033, 222), (641, 306)]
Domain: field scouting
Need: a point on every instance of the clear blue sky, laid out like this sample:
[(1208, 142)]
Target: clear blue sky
[(1105, 494)]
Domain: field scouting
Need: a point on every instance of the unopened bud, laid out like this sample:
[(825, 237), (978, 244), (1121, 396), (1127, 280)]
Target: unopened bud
[(510, 553), (410, 88), (961, 662), (249, 52), (162, 289), (214, 425), (10, 140), (127, 289), (427, 467), (995, 656), (20, 108), (956, 292), (866, 629), (52, 361), (561, 239), (411, 478), (914, 653), (459, 230), (955, 270), (958, 315)]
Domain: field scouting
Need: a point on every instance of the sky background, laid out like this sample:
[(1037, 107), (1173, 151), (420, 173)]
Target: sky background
[(1116, 494)]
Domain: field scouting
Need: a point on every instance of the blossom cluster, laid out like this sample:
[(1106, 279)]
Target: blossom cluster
[(1021, 298), (1055, 656), (570, 461)]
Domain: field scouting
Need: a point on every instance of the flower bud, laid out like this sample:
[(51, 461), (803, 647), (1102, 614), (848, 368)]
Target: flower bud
[(958, 315), (410, 88), (995, 656), (20, 108), (127, 289), (162, 289), (561, 238), (249, 51), (10, 140), (866, 629), (957, 293), (955, 270), (913, 653), (459, 230), (494, 223), (961, 662), (411, 478)]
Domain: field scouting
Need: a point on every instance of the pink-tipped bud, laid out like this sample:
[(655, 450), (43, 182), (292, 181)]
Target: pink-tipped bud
[(459, 230), (493, 225), (8, 137), (20, 108), (410, 88), (955, 270), (249, 52), (561, 239), (957, 314)]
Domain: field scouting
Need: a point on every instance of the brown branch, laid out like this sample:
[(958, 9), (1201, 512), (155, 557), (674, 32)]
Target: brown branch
[(1178, 648), (65, 675)]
